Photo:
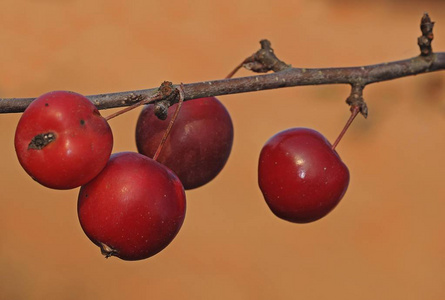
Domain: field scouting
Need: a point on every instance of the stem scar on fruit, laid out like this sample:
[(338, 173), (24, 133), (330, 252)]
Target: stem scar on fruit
[(107, 251)]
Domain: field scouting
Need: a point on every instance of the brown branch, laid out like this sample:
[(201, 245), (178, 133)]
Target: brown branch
[(288, 78), (265, 60)]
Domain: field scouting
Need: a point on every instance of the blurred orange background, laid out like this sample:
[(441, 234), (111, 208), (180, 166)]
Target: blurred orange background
[(384, 241)]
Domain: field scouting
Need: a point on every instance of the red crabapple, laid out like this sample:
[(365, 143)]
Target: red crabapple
[(199, 144), (301, 177), (134, 208), (62, 141)]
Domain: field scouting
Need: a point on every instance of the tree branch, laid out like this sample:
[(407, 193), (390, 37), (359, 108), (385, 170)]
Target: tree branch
[(288, 78), (284, 76)]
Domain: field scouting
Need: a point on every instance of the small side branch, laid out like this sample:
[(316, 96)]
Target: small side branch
[(262, 61), (424, 41), (356, 101)]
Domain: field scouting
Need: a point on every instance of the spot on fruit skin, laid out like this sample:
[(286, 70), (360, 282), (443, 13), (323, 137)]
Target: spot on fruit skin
[(41, 140)]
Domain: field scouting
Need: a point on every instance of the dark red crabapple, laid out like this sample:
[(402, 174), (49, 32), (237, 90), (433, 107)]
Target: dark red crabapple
[(199, 144), (301, 177), (62, 141), (134, 208)]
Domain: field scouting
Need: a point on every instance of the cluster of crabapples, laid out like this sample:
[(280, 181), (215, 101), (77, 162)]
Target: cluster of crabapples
[(131, 205)]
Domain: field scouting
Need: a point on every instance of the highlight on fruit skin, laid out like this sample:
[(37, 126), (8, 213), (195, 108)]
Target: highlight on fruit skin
[(301, 177), (134, 208), (199, 143)]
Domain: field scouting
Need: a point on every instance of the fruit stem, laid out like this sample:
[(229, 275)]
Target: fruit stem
[(172, 121), (235, 70), (354, 112), (131, 107)]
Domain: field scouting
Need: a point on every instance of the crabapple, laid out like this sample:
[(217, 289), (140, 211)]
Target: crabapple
[(62, 141), (199, 143), (134, 208), (301, 177)]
